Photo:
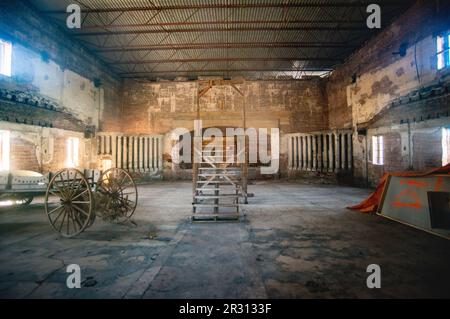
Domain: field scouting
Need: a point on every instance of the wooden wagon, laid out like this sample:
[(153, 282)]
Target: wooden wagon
[(74, 199), (19, 187)]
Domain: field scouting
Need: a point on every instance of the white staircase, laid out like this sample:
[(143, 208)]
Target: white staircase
[(217, 185)]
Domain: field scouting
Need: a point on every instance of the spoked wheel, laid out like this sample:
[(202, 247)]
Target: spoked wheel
[(69, 203), (117, 194)]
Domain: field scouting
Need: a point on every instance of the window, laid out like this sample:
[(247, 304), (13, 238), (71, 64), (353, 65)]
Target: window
[(72, 152), (443, 50), (445, 146), (4, 150), (377, 150), (5, 57)]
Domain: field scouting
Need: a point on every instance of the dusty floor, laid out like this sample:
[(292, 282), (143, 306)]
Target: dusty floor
[(296, 241)]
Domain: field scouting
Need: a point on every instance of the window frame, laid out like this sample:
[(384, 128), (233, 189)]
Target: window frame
[(378, 150), (443, 51), (5, 144), (5, 58), (445, 145), (72, 152)]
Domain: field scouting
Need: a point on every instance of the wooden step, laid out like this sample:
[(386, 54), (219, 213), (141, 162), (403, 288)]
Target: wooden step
[(211, 196), (207, 159), (214, 189), (218, 152), (215, 157), (220, 168), (217, 174), (218, 161), (214, 217), (215, 205), (220, 183)]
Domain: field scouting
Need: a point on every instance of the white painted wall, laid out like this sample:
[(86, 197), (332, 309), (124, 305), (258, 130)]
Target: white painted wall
[(74, 93)]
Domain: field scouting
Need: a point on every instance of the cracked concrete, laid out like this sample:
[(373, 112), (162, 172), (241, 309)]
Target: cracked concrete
[(295, 241)]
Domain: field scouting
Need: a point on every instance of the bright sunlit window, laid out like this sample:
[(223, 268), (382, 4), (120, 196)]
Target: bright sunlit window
[(445, 146), (4, 150), (5, 57), (73, 144), (443, 50), (377, 150)]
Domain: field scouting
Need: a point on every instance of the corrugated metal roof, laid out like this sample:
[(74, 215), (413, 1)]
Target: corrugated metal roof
[(262, 38)]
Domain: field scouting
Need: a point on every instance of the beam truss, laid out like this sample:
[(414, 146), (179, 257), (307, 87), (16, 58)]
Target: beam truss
[(341, 4), (245, 45), (227, 60), (232, 29), (108, 34)]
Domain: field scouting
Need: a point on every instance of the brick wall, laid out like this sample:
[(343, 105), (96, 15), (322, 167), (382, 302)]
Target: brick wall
[(362, 90), (299, 106), (291, 106), (49, 65), (23, 155), (427, 150), (134, 107)]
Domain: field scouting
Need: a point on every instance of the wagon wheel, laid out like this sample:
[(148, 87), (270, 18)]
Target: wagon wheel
[(118, 195), (69, 202)]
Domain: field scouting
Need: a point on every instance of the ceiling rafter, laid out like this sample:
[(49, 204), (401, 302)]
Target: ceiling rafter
[(236, 45), (194, 23), (340, 4), (231, 70), (189, 38), (276, 59), (248, 29)]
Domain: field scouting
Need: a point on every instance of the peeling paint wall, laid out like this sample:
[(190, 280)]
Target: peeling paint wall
[(44, 149), (374, 90), (362, 90), (72, 92), (159, 108), (358, 95), (48, 65)]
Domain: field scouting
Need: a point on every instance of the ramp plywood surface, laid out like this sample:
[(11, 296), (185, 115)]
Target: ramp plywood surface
[(405, 199)]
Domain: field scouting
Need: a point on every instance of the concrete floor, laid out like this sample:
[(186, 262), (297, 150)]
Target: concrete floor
[(296, 241)]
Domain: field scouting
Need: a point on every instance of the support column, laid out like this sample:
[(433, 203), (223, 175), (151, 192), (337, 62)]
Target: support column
[(290, 150), (159, 153), (146, 169), (114, 150), (326, 146), (154, 155), (337, 153), (308, 152), (350, 151), (304, 153), (135, 153), (319, 152), (300, 151), (314, 153), (141, 154), (330, 152), (342, 151)]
